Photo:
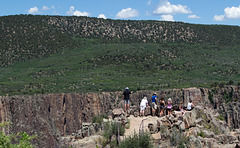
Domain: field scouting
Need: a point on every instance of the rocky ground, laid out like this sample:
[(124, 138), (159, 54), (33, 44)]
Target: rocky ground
[(63, 118), (201, 127)]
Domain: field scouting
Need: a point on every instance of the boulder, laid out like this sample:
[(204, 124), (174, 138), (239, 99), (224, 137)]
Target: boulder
[(199, 121), (208, 134), (195, 142), (194, 131), (136, 113), (152, 128), (190, 118), (147, 111), (209, 142), (133, 109), (117, 112), (226, 138)]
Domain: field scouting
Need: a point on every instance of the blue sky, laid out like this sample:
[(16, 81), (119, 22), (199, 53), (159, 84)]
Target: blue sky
[(226, 12)]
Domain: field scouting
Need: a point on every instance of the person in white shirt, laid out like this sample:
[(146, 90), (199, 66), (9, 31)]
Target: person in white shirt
[(190, 105), (143, 105)]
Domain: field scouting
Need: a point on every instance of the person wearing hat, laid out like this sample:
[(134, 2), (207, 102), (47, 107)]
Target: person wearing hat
[(169, 106), (126, 98), (154, 104), (143, 105)]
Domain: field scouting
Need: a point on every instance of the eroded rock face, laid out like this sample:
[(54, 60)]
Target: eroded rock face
[(54, 115)]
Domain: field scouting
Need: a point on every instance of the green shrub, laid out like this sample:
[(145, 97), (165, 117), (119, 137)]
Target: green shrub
[(99, 119), (19, 140), (231, 82), (220, 117), (111, 129), (210, 96), (178, 139), (201, 134), (142, 140)]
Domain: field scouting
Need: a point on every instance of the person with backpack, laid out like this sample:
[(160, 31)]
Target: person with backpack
[(126, 98), (154, 104)]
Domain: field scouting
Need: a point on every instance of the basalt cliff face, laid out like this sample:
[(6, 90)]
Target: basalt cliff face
[(51, 116)]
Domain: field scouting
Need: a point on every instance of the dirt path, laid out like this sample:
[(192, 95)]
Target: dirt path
[(136, 121)]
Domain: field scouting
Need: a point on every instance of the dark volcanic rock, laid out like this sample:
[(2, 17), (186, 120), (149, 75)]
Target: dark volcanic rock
[(52, 116)]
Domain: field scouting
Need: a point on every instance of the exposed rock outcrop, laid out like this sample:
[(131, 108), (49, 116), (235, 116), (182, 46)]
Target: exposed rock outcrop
[(52, 116)]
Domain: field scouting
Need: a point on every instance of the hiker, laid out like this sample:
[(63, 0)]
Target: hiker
[(126, 98), (190, 105), (143, 105), (169, 106), (162, 106), (154, 103)]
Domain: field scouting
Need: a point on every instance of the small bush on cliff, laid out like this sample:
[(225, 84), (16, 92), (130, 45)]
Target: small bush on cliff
[(201, 134), (178, 139), (220, 117), (210, 96), (19, 140), (99, 119), (111, 133), (142, 140)]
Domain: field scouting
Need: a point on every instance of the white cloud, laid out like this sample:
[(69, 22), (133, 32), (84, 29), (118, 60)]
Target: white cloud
[(219, 18), (76, 13), (44, 8), (52, 7), (232, 13), (127, 13), (229, 13), (193, 16), (70, 12), (167, 8), (167, 17), (79, 13), (102, 16), (33, 10)]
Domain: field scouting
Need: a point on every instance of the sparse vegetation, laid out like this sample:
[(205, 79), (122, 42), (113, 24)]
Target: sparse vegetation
[(142, 140), (110, 131), (201, 134), (178, 139), (99, 118), (220, 117)]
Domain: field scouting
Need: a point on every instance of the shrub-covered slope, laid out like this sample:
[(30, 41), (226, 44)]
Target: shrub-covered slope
[(25, 37), (110, 67)]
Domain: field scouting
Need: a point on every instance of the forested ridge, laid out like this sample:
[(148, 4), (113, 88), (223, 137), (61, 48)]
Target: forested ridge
[(56, 54), (25, 37)]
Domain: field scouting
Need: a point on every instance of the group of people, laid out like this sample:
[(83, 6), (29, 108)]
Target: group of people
[(144, 103)]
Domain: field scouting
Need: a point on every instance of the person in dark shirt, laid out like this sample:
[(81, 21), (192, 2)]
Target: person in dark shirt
[(126, 98)]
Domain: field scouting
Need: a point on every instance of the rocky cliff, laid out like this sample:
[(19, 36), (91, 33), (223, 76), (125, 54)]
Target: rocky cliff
[(54, 115)]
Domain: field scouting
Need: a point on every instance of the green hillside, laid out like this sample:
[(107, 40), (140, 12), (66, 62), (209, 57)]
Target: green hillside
[(110, 67), (26, 37), (54, 54)]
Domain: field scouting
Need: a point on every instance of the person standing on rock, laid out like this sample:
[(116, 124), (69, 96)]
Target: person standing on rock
[(169, 106), (162, 106), (154, 103), (143, 105), (126, 98)]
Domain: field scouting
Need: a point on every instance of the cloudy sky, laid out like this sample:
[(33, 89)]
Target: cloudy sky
[(226, 12)]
